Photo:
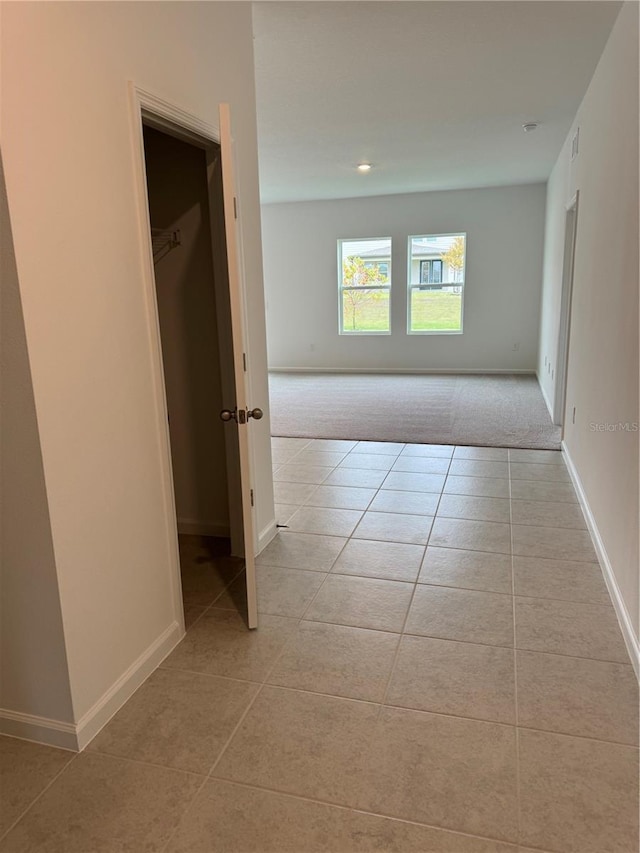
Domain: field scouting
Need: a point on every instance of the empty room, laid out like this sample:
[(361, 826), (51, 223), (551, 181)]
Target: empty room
[(319, 448)]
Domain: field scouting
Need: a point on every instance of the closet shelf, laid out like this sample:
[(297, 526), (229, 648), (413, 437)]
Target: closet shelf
[(163, 242)]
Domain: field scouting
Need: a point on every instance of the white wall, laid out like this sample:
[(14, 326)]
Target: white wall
[(178, 199), (603, 352), (33, 665), (70, 170), (504, 229)]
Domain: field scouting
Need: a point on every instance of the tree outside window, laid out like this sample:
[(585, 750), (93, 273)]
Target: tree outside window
[(364, 286)]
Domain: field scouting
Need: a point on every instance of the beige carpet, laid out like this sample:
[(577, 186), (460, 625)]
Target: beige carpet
[(504, 410)]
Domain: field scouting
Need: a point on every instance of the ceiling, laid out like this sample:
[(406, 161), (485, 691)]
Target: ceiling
[(433, 94)]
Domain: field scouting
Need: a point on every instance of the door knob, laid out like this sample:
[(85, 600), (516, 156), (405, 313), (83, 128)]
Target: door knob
[(240, 416)]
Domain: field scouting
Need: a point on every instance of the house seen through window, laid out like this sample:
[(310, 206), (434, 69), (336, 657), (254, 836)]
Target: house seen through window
[(364, 281), (436, 283)]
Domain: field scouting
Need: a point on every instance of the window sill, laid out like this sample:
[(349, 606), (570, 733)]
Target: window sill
[(437, 332), (361, 334)]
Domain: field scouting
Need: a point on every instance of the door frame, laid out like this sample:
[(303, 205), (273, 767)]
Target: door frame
[(564, 329), (172, 119)]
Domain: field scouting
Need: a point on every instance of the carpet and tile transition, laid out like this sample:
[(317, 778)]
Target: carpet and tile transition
[(497, 410)]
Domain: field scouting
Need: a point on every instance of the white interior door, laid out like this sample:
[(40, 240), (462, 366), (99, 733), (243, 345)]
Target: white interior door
[(240, 417)]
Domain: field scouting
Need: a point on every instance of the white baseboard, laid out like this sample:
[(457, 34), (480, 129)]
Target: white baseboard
[(266, 536), (544, 396), (99, 715), (203, 528), (630, 638), (76, 736), (397, 370), (39, 729)]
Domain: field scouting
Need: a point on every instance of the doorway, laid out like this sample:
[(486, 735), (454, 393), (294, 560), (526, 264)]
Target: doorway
[(562, 364), (184, 193)]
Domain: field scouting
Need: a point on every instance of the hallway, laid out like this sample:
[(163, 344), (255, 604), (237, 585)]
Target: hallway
[(438, 669)]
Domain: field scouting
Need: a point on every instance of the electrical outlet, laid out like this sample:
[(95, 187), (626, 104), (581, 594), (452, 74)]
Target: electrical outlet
[(516, 346)]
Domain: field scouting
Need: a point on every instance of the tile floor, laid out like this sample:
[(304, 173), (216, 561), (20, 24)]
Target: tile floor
[(438, 669)]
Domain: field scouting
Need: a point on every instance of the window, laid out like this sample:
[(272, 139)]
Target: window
[(430, 272), (364, 286), (436, 283)]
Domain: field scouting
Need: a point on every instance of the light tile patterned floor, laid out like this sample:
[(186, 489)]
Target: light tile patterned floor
[(438, 669)]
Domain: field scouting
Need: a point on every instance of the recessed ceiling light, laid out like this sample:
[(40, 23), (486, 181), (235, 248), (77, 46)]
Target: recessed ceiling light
[(364, 167), (529, 126)]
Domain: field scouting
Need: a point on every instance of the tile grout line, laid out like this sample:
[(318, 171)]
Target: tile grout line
[(441, 494), (465, 588), (376, 492), (33, 802), (452, 547), (515, 661), (306, 610), (443, 585), (263, 683), (350, 699), (436, 637), (208, 607), (330, 486), (413, 592), (402, 632), (252, 786), (326, 576), (305, 691), (341, 696), (236, 728), (143, 763), (205, 608), (268, 673), (210, 674), (76, 755), (527, 556), (291, 459), (425, 711), (300, 619), (184, 814), (439, 585), (241, 720)]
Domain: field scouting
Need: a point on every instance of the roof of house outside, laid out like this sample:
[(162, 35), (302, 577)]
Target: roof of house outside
[(421, 247)]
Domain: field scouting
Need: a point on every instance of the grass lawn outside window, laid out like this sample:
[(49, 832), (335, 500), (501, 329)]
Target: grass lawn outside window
[(436, 311), (432, 310)]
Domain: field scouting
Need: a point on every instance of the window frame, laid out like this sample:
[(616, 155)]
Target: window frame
[(342, 289), (422, 286)]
